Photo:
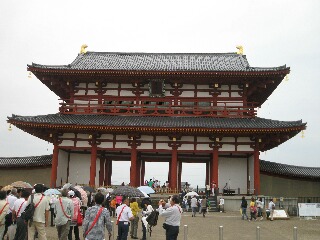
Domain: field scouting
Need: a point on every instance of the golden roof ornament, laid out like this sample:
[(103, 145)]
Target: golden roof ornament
[(83, 49), (240, 50)]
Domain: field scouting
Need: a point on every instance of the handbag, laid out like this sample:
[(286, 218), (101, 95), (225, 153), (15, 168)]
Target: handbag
[(79, 218)]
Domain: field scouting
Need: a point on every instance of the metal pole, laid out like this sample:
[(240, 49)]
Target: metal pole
[(258, 233), (112, 222), (221, 233), (185, 229), (295, 233)]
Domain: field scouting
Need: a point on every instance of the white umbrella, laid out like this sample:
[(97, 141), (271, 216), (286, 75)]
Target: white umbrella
[(191, 194), (52, 191), (145, 195), (67, 186), (146, 189)]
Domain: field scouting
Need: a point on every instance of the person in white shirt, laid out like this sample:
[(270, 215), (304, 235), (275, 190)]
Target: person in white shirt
[(18, 208), (41, 214), (4, 206), (194, 205), (147, 209), (271, 208), (173, 217), (124, 216), (63, 209), (11, 198)]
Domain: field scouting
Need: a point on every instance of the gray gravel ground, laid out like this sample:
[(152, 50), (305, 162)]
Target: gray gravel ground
[(233, 228)]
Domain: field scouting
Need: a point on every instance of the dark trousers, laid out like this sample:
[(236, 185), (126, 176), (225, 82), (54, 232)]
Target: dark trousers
[(52, 216), (123, 230), (144, 232), (8, 222), (172, 232), (76, 233), (22, 228)]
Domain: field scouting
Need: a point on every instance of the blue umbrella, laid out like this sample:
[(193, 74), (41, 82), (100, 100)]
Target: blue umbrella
[(51, 191), (146, 189)]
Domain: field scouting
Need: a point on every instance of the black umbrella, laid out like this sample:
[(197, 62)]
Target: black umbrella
[(76, 192), (127, 191), (89, 189)]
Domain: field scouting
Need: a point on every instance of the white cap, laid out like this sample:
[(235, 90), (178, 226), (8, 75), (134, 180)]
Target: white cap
[(71, 193)]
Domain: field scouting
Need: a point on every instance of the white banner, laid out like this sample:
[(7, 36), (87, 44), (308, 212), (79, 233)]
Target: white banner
[(309, 209)]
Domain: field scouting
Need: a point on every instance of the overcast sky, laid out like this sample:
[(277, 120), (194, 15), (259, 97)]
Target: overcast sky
[(273, 33)]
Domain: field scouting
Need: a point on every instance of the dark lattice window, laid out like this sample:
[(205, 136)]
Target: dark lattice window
[(156, 88)]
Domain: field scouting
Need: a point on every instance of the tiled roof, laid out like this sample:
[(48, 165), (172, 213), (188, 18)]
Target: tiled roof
[(154, 121), (289, 170), (159, 62), (32, 161)]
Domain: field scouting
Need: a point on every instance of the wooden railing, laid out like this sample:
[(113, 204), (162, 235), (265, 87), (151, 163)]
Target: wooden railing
[(220, 109)]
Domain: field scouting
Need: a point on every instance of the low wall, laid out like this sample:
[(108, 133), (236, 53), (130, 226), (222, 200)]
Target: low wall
[(32, 176)]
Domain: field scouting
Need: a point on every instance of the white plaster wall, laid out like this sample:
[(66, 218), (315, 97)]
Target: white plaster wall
[(122, 137), (145, 146), (83, 136), (243, 139), (62, 167), (235, 94), (203, 139), (106, 145), (224, 94), (168, 94), (65, 143), (187, 138), (122, 145), (162, 138), (203, 87), (68, 135), (146, 138), (203, 94), (163, 146), (187, 94), (83, 144), (112, 85), (188, 86), (244, 148), (79, 168), (80, 92), (234, 169), (251, 173), (227, 147), (228, 139), (111, 93), (235, 87), (186, 147), (203, 147), (107, 136), (223, 87), (126, 93)]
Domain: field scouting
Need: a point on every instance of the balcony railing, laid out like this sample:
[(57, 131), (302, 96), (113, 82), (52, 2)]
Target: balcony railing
[(220, 109)]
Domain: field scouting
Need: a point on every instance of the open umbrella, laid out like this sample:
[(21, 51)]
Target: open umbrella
[(76, 192), (21, 184), (145, 195), (127, 191), (146, 189), (67, 186), (84, 196), (6, 188), (191, 194), (51, 191), (89, 189)]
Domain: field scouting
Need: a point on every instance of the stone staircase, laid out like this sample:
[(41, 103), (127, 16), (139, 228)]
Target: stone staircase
[(214, 206)]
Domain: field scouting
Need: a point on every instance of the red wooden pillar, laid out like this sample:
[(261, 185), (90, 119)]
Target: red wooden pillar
[(173, 169), (256, 172), (138, 181), (214, 165), (93, 164), (179, 175), (54, 169), (133, 168), (102, 172), (207, 181), (143, 169)]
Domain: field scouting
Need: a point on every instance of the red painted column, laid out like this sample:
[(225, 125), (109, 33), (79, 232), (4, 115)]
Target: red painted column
[(93, 164), (169, 174), (133, 169), (179, 175), (143, 169), (138, 172), (110, 172), (101, 173), (207, 181), (256, 172), (54, 169), (215, 166), (173, 169)]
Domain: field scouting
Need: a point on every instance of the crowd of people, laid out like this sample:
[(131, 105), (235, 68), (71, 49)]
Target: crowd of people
[(69, 214), (256, 209)]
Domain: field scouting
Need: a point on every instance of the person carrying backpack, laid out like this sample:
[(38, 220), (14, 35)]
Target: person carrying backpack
[(146, 211), (41, 213)]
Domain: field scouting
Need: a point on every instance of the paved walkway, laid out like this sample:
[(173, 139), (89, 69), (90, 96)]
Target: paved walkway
[(233, 228)]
